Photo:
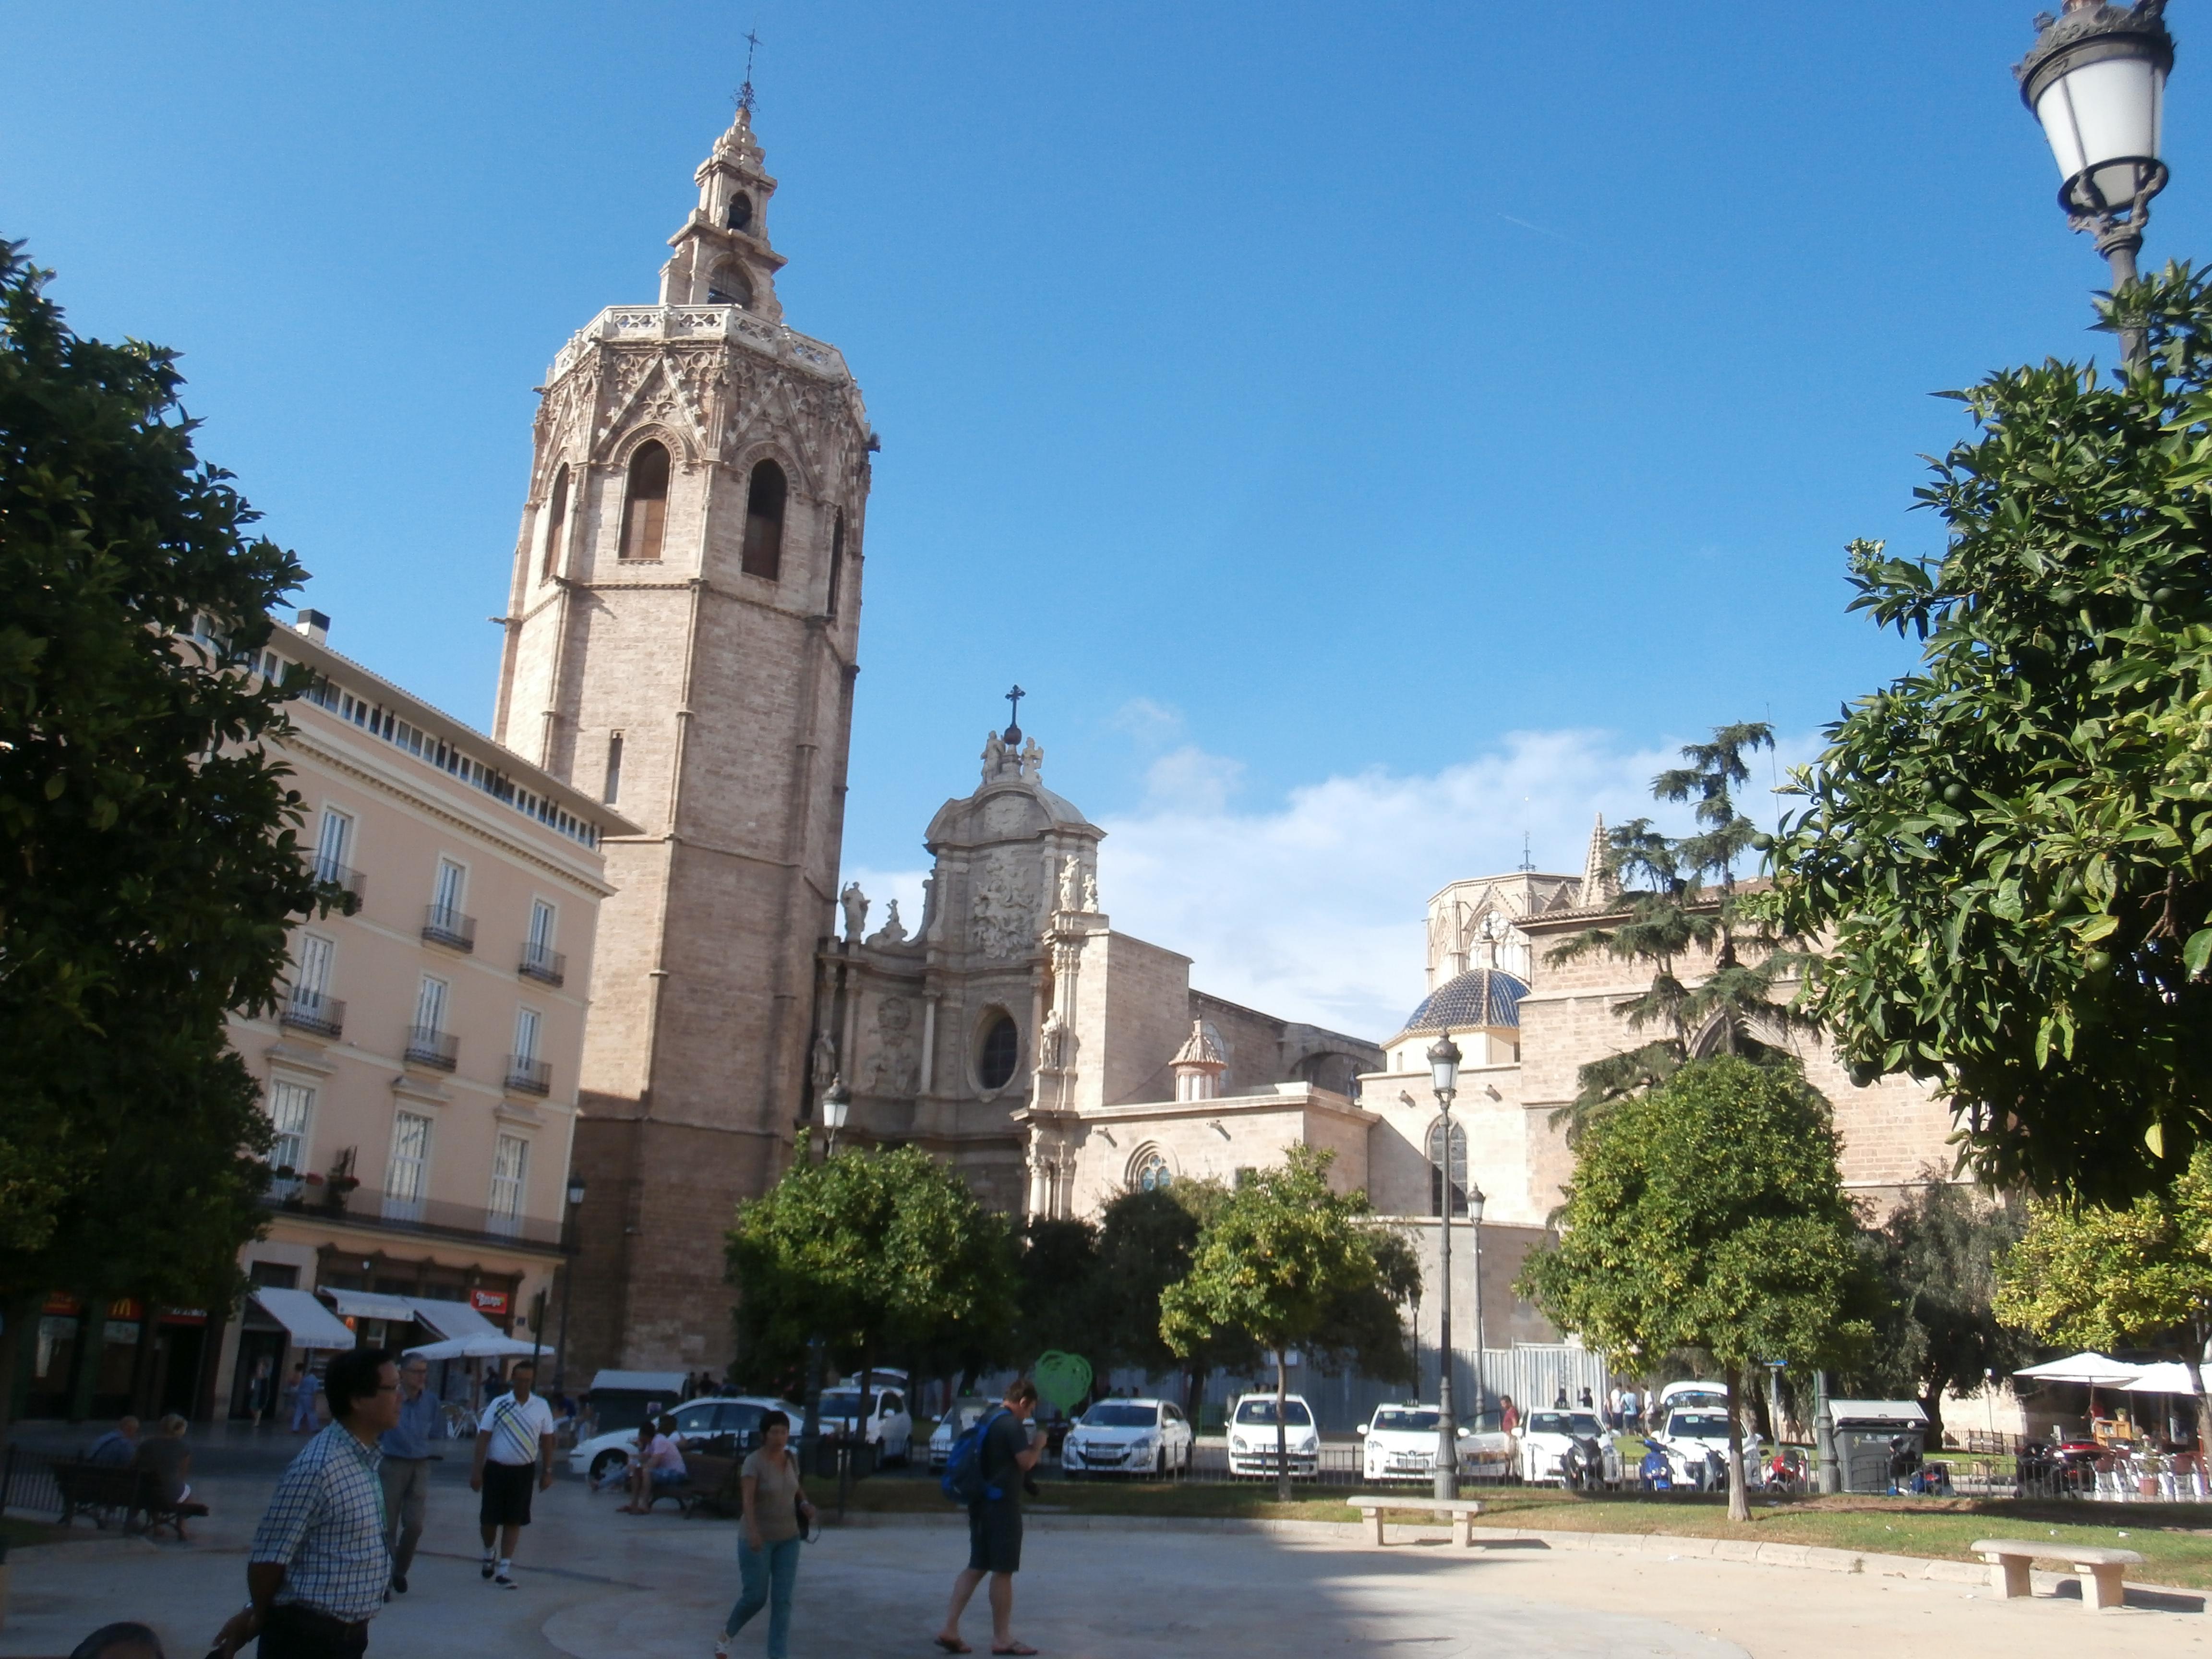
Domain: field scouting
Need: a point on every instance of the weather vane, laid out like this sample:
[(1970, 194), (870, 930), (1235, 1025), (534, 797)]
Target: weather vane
[(745, 91), (1014, 721)]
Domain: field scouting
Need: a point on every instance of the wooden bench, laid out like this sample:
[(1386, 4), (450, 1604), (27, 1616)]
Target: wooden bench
[(2101, 1569), (1460, 1511), (93, 1489)]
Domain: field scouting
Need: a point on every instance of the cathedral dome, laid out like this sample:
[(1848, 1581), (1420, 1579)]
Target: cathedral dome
[(1480, 996)]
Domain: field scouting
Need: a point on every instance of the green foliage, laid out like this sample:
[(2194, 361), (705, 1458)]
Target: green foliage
[(151, 868), (1708, 1213), (1937, 1259), (1679, 897), (877, 1253), (2087, 1276), (1059, 1293), (1286, 1262), (2010, 850)]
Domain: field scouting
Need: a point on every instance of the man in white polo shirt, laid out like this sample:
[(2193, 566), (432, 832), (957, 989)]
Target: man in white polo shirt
[(514, 1459)]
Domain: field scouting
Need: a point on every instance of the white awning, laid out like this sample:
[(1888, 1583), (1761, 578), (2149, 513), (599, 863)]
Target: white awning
[(669, 1384), (361, 1304), (2091, 1367), (310, 1323), (451, 1319)]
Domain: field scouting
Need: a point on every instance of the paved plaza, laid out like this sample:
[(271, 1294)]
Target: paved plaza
[(599, 1585)]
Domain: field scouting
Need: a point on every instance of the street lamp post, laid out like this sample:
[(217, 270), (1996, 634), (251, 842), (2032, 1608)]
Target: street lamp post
[(1444, 1075), (1474, 1203), (2096, 80), (837, 1109), (575, 1195)]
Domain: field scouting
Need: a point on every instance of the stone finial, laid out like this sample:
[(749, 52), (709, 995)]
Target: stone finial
[(1199, 1064), (1598, 884)]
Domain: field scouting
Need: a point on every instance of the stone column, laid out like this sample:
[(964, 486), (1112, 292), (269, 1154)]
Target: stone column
[(928, 1041)]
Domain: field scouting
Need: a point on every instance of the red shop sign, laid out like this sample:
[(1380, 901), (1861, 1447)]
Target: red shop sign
[(62, 1305), (488, 1302)]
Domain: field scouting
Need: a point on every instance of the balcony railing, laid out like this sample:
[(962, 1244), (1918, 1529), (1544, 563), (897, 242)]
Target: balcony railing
[(443, 925), (364, 1206), (527, 1076), (541, 963), (311, 1010), (428, 1046), (331, 870)]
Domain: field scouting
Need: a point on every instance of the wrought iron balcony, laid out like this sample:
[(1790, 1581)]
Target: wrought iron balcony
[(539, 963), (311, 1010), (330, 870), (443, 925), (528, 1076), (428, 1046), (422, 1216)]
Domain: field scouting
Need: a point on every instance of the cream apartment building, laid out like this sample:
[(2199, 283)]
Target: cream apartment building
[(420, 1070)]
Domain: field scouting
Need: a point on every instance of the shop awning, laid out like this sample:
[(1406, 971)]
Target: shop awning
[(309, 1322), (451, 1319), (361, 1304)]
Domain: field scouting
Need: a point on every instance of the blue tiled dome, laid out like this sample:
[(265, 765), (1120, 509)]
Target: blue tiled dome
[(1480, 996)]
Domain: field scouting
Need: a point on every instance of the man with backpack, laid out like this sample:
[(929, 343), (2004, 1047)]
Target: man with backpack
[(986, 1471)]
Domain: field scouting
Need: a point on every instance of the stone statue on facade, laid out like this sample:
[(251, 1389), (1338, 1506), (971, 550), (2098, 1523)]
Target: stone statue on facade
[(856, 909), (893, 931), (1089, 893), (1032, 760), (824, 1063), (1071, 884), (994, 757)]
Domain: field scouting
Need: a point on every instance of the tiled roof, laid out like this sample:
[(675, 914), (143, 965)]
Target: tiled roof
[(1480, 996)]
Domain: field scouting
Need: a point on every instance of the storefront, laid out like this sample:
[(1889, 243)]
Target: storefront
[(106, 1361)]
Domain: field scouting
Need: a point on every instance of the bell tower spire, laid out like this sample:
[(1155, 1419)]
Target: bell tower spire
[(722, 254)]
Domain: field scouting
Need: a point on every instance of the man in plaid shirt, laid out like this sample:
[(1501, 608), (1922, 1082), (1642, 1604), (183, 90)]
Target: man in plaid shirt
[(321, 1560)]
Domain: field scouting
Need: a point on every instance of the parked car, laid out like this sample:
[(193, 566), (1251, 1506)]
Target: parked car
[(1128, 1437), (1252, 1436), (1400, 1443), (1695, 1439), (737, 1416), (1485, 1450), (1547, 1438), (888, 1428), (966, 1412)]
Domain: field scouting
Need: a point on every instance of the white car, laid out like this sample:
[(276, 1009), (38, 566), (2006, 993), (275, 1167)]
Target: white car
[(1545, 1437), (1401, 1444), (1252, 1436), (605, 1456), (889, 1427), (1129, 1437), (1697, 1432), (966, 1412)]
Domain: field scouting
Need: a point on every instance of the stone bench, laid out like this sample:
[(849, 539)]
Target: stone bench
[(1460, 1511), (2100, 1568)]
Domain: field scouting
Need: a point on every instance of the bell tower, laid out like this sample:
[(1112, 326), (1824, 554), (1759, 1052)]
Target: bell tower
[(681, 632)]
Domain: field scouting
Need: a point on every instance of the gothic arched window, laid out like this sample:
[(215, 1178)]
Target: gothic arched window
[(1152, 1174), (764, 555), (645, 502), (728, 285), (836, 559), (1458, 1167), (557, 520), (1001, 1051)]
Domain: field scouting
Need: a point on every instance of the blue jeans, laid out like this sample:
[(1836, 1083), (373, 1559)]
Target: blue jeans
[(768, 1573)]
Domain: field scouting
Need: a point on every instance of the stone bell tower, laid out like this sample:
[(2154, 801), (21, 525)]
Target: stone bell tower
[(680, 640)]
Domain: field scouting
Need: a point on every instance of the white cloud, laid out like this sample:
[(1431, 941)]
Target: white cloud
[(1314, 909)]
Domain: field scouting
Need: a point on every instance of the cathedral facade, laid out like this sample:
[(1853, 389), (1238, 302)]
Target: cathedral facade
[(681, 633)]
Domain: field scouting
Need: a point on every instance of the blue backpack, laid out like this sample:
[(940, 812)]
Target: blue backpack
[(964, 1481)]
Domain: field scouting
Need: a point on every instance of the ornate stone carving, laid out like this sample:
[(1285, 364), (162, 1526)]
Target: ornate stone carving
[(1071, 884), (893, 931), (1090, 894), (856, 904), (897, 1069), (824, 1067), (1003, 910)]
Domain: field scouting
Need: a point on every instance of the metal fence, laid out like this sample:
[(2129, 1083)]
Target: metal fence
[(27, 1485)]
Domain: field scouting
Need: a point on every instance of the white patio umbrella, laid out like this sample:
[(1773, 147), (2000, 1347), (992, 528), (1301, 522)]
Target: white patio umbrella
[(2095, 1369), (483, 1346), (2166, 1376)]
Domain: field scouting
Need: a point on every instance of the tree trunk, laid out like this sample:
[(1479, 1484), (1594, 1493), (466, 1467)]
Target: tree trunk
[(14, 1315), (1282, 1431), (2204, 1405), (1739, 1498), (1932, 1403)]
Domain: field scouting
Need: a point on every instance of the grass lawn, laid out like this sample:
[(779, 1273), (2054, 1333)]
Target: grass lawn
[(2175, 1540)]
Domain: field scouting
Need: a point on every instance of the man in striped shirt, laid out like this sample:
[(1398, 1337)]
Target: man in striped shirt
[(320, 1561)]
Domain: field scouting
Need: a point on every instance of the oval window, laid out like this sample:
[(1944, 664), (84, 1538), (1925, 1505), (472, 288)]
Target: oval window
[(1001, 1051)]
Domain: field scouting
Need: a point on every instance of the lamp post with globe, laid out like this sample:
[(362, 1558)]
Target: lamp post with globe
[(575, 1196), (837, 1109), (2096, 80), (1443, 1077)]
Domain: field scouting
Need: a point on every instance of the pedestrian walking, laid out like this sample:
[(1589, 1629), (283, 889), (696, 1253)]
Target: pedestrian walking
[(1009, 1451), (303, 1398), (406, 1470), (768, 1537), (258, 1389), (514, 1459), (1586, 1405), (1509, 1414), (318, 1567)]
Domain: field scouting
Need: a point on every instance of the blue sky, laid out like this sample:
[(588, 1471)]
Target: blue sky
[(1367, 433)]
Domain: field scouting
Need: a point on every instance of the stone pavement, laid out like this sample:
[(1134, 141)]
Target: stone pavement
[(596, 1585)]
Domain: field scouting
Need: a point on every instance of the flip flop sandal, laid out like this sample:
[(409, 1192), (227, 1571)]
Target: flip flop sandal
[(950, 1646), (1018, 1648)]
